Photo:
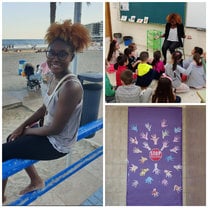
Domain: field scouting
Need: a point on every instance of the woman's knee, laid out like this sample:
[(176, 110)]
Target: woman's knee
[(172, 49), (173, 46)]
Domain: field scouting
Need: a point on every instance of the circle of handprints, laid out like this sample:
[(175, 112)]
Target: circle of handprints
[(149, 139)]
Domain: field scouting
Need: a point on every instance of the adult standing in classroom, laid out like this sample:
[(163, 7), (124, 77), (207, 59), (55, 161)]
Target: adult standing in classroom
[(174, 32)]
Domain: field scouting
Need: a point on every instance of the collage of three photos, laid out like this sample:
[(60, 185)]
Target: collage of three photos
[(104, 103)]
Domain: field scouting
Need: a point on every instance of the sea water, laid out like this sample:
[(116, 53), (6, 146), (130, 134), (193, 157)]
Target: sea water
[(23, 43), (37, 44)]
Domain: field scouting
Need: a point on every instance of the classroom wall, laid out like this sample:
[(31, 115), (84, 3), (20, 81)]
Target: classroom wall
[(194, 155), (138, 31)]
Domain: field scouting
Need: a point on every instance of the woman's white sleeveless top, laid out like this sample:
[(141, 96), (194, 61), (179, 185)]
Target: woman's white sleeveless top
[(64, 140), (173, 35)]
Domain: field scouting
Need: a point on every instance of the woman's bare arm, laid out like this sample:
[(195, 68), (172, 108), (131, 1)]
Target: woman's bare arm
[(69, 97)]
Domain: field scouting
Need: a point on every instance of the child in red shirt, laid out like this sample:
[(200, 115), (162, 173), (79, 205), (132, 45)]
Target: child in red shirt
[(120, 66)]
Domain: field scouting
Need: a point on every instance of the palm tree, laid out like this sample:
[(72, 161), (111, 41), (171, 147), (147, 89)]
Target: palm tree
[(77, 11), (52, 12)]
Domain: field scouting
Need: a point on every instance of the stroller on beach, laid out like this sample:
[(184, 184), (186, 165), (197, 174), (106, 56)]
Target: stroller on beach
[(33, 78)]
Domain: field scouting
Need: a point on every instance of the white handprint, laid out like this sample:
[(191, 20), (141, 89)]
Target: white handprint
[(146, 146), (133, 140), (148, 126), (178, 167), (136, 150), (165, 133), (176, 139), (164, 123), (133, 168), (154, 138), (144, 135), (175, 149), (165, 145), (168, 173), (156, 169), (135, 183), (164, 182), (177, 188)]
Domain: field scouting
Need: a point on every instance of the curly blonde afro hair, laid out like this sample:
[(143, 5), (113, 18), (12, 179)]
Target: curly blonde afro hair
[(175, 17), (75, 35)]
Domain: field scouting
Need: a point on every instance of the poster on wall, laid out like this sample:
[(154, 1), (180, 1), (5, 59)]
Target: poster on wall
[(124, 6), (154, 170)]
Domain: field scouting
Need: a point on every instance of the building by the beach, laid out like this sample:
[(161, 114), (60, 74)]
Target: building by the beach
[(96, 31)]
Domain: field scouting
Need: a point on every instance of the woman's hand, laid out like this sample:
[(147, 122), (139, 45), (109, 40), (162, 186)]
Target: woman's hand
[(156, 37), (15, 134)]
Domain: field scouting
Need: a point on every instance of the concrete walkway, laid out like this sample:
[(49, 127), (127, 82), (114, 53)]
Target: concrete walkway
[(10, 101), (95, 199)]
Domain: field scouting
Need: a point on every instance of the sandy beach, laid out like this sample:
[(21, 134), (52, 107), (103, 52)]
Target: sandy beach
[(89, 179)]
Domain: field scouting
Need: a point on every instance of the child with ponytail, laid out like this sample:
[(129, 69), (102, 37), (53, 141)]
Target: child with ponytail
[(196, 74), (174, 70)]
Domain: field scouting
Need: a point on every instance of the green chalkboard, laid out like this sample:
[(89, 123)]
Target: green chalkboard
[(156, 11)]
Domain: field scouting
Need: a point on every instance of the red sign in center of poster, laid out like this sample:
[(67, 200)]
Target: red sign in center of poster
[(155, 154)]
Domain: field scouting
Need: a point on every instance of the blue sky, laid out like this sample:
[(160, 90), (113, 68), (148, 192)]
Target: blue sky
[(23, 20)]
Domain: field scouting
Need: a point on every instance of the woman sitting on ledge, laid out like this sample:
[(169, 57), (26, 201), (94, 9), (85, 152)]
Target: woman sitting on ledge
[(61, 109)]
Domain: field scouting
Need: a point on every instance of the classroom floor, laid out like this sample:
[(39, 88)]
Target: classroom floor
[(188, 97)]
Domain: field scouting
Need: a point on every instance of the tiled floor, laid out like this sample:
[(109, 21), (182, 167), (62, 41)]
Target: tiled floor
[(188, 97)]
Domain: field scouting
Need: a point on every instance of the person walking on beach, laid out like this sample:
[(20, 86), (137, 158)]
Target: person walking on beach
[(61, 109)]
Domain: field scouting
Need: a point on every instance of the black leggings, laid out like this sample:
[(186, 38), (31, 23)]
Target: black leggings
[(30, 147), (171, 45)]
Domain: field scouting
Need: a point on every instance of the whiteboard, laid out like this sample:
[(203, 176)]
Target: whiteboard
[(196, 15)]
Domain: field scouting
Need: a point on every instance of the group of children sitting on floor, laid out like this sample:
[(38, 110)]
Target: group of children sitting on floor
[(134, 75)]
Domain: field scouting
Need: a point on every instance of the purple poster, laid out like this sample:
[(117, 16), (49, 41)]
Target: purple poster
[(154, 174)]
